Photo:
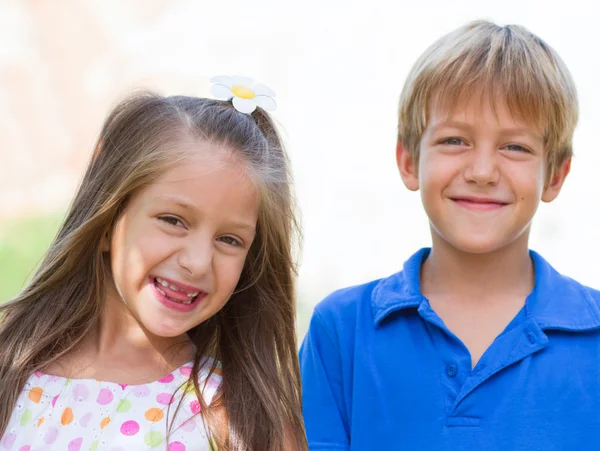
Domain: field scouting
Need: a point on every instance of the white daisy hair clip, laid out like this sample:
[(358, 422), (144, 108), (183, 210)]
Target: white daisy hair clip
[(243, 93)]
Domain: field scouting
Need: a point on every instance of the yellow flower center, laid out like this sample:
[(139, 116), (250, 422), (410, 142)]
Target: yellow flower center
[(243, 92)]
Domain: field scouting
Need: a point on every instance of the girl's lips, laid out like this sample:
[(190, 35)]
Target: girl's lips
[(177, 306), (175, 289)]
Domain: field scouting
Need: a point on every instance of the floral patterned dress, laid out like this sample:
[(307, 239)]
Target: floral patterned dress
[(56, 413)]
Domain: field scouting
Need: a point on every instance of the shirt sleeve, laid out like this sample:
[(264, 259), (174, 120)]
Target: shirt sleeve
[(323, 403)]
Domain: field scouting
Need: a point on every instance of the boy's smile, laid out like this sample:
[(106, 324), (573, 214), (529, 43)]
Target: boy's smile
[(479, 203), (482, 173)]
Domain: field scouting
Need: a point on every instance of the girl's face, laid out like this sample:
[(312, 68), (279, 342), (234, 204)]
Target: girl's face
[(178, 249)]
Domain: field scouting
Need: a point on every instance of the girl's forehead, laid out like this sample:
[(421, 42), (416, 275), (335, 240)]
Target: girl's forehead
[(194, 173), (216, 187), (193, 158), (195, 165), (206, 171)]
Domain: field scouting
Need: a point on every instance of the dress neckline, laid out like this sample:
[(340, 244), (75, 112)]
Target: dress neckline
[(184, 370)]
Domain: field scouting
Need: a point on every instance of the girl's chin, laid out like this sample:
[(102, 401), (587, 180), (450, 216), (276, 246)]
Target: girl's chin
[(160, 328)]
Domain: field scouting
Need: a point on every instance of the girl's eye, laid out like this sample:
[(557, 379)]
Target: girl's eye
[(230, 240), (517, 148), (453, 141), (171, 220)]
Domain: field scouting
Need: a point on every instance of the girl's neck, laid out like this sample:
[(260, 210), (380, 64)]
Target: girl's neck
[(450, 272), (118, 331), (120, 349)]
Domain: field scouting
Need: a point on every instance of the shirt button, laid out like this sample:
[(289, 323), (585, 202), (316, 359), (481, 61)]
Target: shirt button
[(531, 337), (451, 370)]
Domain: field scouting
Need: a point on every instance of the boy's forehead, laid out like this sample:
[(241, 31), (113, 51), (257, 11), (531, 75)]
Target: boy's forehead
[(469, 107)]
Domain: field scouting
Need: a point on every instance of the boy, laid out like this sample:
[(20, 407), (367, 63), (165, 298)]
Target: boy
[(478, 344)]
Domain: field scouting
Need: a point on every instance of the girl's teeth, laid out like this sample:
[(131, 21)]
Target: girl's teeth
[(179, 301), (165, 284)]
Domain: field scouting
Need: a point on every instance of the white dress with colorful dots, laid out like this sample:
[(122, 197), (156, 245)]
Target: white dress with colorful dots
[(55, 413)]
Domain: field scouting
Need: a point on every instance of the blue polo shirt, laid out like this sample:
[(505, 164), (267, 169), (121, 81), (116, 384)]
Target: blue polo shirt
[(381, 371)]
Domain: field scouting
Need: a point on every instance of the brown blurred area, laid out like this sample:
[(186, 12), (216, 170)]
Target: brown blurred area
[(62, 66)]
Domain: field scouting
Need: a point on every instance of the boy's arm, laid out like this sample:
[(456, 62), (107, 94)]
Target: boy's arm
[(323, 403)]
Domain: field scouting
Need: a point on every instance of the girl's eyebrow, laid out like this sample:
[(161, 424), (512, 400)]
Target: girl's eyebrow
[(176, 200), (188, 206), (244, 225)]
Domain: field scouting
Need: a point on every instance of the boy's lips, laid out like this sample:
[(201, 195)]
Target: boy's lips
[(479, 203)]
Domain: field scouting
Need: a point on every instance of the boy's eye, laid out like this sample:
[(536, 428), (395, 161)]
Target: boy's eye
[(453, 141), (230, 240), (171, 220), (517, 148)]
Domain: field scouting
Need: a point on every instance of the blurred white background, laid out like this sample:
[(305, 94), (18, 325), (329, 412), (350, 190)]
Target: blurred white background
[(337, 67)]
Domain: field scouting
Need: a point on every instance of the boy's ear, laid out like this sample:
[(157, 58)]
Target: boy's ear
[(556, 182), (407, 167)]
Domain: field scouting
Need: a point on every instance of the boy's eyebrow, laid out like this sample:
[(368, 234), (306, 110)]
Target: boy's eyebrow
[(507, 131), (450, 123)]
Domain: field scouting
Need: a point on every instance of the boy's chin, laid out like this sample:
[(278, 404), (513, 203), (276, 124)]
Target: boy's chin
[(479, 245)]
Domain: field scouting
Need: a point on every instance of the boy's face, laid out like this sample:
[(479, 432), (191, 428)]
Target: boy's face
[(482, 173)]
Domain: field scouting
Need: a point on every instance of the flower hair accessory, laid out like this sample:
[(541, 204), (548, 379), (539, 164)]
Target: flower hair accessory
[(243, 93)]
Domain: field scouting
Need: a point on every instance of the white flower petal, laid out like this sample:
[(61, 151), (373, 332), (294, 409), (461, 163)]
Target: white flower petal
[(265, 102), (242, 81), (262, 90), (222, 80), (221, 92), (244, 105)]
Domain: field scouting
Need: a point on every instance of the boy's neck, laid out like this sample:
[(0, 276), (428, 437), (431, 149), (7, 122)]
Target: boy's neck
[(450, 272)]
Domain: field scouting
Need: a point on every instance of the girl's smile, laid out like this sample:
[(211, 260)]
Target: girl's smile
[(179, 247), (174, 296)]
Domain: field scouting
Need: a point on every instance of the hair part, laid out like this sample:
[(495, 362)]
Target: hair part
[(253, 336), (484, 59)]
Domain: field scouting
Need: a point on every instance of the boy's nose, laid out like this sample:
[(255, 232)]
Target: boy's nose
[(482, 167)]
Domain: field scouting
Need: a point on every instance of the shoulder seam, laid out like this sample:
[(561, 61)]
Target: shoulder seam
[(325, 329)]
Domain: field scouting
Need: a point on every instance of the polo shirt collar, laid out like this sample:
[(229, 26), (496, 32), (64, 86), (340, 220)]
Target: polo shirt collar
[(401, 290), (556, 302)]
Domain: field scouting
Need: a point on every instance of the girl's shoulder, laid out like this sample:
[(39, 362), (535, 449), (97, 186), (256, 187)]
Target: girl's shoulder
[(110, 412)]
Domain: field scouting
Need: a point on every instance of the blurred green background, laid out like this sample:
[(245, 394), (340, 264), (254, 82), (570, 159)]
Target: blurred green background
[(23, 242)]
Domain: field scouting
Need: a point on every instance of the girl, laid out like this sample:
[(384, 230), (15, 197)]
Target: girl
[(162, 316)]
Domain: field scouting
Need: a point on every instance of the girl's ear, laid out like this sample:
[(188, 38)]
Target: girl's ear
[(407, 167), (105, 242)]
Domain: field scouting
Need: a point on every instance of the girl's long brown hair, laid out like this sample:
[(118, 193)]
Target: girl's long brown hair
[(253, 336)]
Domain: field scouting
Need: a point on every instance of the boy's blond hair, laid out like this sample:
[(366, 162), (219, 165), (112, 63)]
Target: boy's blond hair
[(482, 58)]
